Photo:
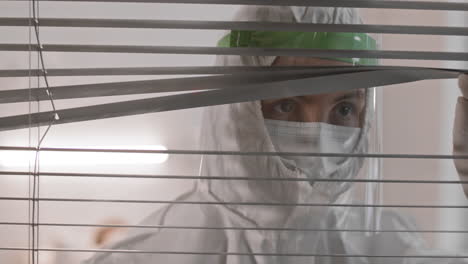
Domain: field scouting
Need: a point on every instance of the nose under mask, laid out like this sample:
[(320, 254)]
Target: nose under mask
[(311, 137)]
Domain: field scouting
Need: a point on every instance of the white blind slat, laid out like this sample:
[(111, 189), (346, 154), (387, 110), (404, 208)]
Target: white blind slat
[(243, 93), (199, 70)]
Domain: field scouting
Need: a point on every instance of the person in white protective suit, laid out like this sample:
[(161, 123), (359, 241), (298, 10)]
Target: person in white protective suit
[(235, 225)]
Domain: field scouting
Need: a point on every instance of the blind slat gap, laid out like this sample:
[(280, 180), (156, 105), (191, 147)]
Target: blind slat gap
[(385, 4), (83, 200), (222, 178), (243, 153), (237, 253), (239, 228), (238, 25), (187, 50)]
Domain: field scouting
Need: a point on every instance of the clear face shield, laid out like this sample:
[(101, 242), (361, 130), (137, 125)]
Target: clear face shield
[(324, 136), (334, 131)]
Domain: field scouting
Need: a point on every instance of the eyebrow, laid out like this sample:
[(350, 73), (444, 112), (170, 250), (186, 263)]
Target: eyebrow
[(350, 95)]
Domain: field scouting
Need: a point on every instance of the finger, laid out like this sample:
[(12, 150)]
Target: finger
[(463, 84)]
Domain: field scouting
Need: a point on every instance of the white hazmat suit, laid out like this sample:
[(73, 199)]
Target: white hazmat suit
[(253, 233)]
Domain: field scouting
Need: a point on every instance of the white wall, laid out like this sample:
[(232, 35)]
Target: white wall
[(411, 123), (418, 119)]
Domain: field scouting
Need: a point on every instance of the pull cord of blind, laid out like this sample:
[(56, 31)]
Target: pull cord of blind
[(35, 186)]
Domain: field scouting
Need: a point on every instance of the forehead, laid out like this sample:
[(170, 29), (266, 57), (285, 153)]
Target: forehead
[(355, 95), (309, 61)]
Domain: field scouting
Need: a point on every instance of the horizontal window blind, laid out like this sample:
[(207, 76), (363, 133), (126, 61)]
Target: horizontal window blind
[(166, 89)]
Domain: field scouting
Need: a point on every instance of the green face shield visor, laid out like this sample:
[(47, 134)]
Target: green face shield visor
[(303, 40)]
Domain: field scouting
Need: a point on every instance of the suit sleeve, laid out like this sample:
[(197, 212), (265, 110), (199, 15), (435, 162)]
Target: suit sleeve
[(411, 246), (164, 245)]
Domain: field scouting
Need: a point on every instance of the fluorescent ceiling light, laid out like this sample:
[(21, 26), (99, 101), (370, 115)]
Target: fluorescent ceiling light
[(12, 158)]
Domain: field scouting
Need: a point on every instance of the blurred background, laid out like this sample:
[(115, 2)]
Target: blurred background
[(417, 119)]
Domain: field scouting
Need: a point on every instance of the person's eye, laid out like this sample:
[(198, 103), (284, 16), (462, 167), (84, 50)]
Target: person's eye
[(285, 106), (345, 114), (345, 110)]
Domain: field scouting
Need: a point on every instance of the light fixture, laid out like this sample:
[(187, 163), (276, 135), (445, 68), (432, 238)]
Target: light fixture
[(23, 159)]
